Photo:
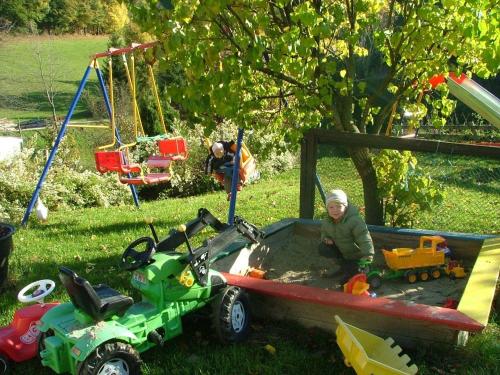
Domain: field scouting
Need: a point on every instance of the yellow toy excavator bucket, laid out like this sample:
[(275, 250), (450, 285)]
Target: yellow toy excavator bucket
[(369, 354)]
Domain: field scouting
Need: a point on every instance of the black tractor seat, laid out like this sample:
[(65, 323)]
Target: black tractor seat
[(100, 302)]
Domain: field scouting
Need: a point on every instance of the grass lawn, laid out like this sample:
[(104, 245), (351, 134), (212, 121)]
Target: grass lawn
[(64, 60), (91, 241)]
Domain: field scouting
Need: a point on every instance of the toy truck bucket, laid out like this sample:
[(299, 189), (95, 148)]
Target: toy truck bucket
[(370, 354)]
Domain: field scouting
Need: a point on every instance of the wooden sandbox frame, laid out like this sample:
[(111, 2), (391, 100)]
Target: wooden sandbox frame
[(410, 324)]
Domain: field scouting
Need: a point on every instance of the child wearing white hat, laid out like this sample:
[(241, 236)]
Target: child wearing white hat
[(344, 234), (220, 163), (221, 154)]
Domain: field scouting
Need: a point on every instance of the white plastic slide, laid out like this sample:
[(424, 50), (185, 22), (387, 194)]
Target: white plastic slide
[(476, 98)]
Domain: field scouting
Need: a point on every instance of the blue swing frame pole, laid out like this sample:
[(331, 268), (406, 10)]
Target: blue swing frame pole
[(117, 132), (53, 151), (235, 178)]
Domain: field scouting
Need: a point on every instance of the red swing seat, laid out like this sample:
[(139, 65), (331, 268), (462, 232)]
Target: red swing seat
[(114, 161), (173, 148)]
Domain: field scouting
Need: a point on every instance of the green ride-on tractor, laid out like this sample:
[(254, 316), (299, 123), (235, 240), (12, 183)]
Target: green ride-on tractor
[(102, 331)]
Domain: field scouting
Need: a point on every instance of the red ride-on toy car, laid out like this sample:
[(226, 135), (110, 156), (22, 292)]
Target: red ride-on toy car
[(19, 340)]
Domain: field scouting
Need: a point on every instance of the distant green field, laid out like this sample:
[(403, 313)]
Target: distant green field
[(64, 60)]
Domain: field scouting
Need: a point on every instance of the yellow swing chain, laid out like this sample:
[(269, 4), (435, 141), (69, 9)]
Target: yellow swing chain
[(135, 109), (134, 96), (112, 103), (154, 88)]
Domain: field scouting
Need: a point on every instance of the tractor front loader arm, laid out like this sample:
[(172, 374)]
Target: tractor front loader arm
[(176, 238), (248, 230)]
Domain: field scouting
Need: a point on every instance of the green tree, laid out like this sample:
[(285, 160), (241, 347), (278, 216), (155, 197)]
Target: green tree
[(66, 16), (24, 14), (98, 12), (295, 64), (117, 16), (60, 17)]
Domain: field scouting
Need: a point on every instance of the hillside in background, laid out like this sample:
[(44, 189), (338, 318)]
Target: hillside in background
[(32, 64)]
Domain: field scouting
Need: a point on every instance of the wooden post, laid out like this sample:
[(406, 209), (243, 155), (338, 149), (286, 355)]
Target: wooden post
[(308, 153)]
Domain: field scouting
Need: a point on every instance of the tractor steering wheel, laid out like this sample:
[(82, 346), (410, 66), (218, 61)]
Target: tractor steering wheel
[(133, 259), (43, 289)]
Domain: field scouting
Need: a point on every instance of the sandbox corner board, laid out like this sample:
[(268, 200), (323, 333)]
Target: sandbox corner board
[(479, 293), (410, 324)]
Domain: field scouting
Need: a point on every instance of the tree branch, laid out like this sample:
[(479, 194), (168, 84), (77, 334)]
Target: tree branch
[(228, 35), (240, 22), (281, 76)]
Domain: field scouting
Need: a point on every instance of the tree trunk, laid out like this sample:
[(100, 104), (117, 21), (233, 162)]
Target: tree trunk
[(373, 205)]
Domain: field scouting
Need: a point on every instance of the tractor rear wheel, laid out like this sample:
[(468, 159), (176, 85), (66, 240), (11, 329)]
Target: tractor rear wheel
[(111, 358), (231, 314), (4, 365)]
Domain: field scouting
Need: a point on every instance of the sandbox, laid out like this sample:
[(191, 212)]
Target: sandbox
[(301, 285)]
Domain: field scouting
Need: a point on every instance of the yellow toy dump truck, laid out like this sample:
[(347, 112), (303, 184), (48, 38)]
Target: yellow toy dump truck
[(424, 262)]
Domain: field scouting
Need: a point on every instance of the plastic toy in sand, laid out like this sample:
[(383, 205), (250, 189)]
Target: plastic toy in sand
[(358, 285), (257, 273), (455, 270), (429, 261)]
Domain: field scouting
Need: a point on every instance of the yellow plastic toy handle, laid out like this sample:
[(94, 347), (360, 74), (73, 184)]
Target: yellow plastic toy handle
[(186, 278)]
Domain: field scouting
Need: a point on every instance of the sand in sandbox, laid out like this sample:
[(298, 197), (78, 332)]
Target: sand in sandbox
[(295, 259)]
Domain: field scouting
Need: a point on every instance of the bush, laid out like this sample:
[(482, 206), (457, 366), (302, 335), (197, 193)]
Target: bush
[(403, 187), (67, 183)]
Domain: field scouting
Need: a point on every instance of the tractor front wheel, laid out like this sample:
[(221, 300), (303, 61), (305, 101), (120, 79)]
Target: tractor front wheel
[(112, 358), (231, 315), (4, 365)]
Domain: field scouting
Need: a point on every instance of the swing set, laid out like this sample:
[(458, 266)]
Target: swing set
[(114, 157), (172, 149)]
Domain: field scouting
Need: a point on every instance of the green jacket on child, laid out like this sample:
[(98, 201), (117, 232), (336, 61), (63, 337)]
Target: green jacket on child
[(350, 235)]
